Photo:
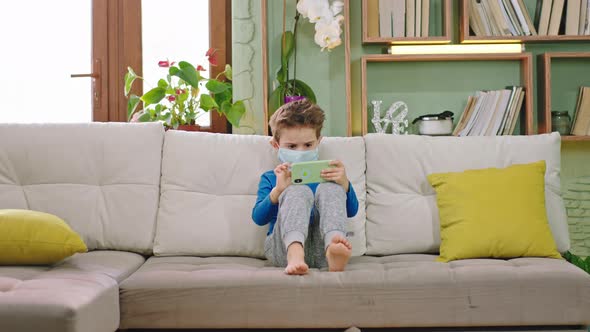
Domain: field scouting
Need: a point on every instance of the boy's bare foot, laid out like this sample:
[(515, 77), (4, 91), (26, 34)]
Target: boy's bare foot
[(296, 260), (338, 253)]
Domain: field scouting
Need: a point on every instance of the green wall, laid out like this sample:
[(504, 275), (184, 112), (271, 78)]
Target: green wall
[(324, 71)]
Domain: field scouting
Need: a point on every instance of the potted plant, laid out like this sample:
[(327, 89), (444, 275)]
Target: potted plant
[(327, 19), (179, 98)]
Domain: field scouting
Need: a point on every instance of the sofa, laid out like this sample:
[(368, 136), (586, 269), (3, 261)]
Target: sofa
[(166, 217)]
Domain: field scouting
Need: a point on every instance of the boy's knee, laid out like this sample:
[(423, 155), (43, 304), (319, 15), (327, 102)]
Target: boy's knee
[(301, 191), (329, 187)]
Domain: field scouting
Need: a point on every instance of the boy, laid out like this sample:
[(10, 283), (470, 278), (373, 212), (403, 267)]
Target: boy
[(307, 222)]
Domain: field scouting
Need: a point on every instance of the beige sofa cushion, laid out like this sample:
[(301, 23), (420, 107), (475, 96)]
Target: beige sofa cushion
[(209, 186), (402, 216), (80, 294), (101, 178), (391, 291)]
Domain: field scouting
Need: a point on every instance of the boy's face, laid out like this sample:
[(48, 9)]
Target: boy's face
[(297, 138)]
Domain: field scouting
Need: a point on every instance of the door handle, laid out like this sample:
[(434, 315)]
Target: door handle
[(95, 75)]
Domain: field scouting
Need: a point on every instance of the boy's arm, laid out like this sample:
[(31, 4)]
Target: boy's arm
[(264, 208), (352, 203)]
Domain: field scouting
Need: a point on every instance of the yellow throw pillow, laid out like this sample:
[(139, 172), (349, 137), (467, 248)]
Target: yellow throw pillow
[(493, 213), (34, 238)]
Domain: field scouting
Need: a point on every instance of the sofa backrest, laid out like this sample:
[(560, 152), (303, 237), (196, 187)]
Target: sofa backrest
[(209, 186), (101, 178), (402, 216)]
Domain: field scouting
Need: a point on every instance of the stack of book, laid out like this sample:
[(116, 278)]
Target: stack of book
[(500, 18), (491, 113), (400, 18), (581, 122), (511, 18)]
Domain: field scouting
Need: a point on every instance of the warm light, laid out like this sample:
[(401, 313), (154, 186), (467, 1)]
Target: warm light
[(456, 49)]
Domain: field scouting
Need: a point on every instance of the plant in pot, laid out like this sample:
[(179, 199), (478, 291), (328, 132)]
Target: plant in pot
[(327, 21), (179, 98)]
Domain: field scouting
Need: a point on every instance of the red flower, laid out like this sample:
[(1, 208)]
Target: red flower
[(179, 91), (165, 63), (171, 98), (200, 68), (211, 56)]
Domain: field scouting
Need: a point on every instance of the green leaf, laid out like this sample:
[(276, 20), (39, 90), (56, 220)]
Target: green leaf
[(287, 49), (228, 72), (131, 106), (305, 90), (129, 79), (216, 87), (153, 96), (162, 83), (187, 73), (223, 96), (207, 103), (276, 99), (145, 117), (235, 112)]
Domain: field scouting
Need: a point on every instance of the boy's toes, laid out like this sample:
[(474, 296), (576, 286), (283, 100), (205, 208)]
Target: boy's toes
[(296, 269)]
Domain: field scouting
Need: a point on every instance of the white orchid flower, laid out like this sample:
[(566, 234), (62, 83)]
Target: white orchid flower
[(328, 34), (336, 7), (326, 19)]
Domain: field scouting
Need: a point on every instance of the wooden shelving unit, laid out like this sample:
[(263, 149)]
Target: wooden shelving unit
[(525, 64), (466, 37), (545, 66), (445, 38)]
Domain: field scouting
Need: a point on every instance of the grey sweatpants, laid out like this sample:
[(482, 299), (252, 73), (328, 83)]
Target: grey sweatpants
[(293, 225)]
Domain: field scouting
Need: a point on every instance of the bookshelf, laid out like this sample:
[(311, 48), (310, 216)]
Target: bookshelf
[(439, 22), (465, 35), (572, 70), (516, 67)]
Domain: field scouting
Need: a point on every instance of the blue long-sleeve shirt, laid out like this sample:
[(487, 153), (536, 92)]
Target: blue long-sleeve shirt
[(265, 212)]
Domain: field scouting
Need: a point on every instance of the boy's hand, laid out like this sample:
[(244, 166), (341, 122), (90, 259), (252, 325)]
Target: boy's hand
[(283, 181), (337, 174)]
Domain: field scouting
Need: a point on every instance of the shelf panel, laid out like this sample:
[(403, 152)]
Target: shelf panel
[(466, 37), (449, 81), (440, 26), (575, 138), (560, 75)]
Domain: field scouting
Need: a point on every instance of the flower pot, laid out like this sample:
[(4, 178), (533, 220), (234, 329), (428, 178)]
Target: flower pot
[(194, 127), (289, 99)]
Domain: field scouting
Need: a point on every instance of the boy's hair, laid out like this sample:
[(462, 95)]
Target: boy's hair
[(299, 113)]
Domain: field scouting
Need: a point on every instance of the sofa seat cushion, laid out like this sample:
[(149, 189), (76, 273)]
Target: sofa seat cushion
[(391, 291), (80, 293)]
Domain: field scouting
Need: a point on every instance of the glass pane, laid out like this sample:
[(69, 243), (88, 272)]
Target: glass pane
[(186, 38), (40, 49)]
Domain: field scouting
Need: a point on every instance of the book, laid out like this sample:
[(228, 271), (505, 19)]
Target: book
[(475, 21), (544, 16), (465, 115), (498, 17), (425, 18), (582, 21), (398, 16), (555, 20), (581, 124), (485, 26), (373, 18), (417, 30), (527, 17), (514, 118), (410, 18), (513, 26), (520, 16), (572, 18), (385, 7)]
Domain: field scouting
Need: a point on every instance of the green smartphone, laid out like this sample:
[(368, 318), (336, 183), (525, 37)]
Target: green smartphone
[(308, 172)]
